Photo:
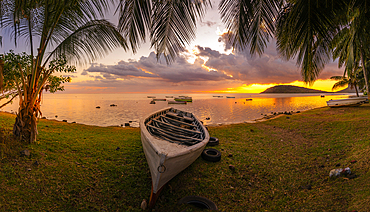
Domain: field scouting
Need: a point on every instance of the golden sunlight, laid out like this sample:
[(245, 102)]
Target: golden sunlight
[(324, 85)]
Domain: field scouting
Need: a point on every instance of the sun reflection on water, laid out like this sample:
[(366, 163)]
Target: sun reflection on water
[(81, 108)]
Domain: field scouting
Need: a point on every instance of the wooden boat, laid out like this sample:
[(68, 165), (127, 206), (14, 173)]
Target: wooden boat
[(169, 96), (172, 140), (183, 99), (159, 99), (355, 101), (150, 96), (177, 102), (233, 97), (248, 99)]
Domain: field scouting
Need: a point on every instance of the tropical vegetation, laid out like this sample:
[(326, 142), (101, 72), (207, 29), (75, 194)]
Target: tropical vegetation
[(352, 80), (313, 32), (74, 28)]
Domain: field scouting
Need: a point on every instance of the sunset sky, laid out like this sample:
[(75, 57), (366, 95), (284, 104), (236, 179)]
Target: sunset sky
[(207, 65)]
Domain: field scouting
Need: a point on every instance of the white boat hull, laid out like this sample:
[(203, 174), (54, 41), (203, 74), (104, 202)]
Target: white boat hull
[(166, 159), (355, 101)]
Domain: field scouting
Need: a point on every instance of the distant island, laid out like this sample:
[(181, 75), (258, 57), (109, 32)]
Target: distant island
[(297, 89)]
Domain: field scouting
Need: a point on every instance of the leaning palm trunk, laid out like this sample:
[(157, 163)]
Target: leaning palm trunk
[(365, 72), (25, 126), (356, 90)]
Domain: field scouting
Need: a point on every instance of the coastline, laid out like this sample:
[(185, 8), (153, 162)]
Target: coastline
[(279, 165), (213, 111), (266, 117)]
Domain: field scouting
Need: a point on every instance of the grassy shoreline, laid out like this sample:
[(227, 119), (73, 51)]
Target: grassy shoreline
[(280, 164)]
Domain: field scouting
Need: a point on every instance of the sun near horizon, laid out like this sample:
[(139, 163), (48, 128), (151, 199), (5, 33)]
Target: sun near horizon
[(323, 85)]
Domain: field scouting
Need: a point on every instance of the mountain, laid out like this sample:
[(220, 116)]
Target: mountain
[(347, 90), (291, 89)]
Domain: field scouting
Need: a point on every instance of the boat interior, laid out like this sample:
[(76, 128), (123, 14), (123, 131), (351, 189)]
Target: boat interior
[(175, 126)]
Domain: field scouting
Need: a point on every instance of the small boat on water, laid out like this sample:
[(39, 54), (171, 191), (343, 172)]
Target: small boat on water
[(233, 97), (218, 96), (151, 97), (184, 99), (177, 102), (172, 140), (159, 99), (248, 99), (169, 96), (354, 101)]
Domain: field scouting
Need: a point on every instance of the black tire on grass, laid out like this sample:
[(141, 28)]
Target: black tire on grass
[(213, 141), (212, 155), (200, 202)]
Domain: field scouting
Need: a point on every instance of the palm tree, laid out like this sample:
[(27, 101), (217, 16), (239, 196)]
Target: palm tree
[(351, 80), (61, 27), (72, 28), (351, 43), (304, 29)]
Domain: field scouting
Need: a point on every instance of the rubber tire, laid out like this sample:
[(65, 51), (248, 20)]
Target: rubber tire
[(213, 141), (200, 202), (212, 155)]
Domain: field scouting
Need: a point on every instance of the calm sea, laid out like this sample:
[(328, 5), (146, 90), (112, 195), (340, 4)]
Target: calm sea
[(81, 108)]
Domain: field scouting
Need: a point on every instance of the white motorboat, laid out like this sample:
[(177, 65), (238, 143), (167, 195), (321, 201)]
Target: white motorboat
[(354, 101)]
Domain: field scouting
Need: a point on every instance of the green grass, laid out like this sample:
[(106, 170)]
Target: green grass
[(280, 165)]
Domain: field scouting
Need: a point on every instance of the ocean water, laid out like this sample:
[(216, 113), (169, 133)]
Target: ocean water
[(81, 108)]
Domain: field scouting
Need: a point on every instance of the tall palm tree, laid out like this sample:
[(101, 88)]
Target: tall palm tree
[(60, 27), (351, 43), (304, 29), (352, 80), (72, 28)]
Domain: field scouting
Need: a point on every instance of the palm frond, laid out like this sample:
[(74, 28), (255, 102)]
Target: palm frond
[(340, 84), (134, 21), (174, 25), (337, 78), (252, 23), (305, 30), (89, 42)]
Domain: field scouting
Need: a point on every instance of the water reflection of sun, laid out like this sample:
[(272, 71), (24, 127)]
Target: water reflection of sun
[(323, 85)]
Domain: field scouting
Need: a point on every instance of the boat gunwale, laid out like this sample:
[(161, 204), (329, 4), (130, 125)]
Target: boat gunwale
[(177, 154)]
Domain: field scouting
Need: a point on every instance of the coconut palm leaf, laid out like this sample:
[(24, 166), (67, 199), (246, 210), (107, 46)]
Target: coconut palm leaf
[(305, 30), (174, 24), (251, 23), (340, 84), (134, 21), (89, 42)]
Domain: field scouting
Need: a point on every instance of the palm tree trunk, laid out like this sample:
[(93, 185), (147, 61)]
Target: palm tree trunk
[(356, 90), (365, 72), (1, 74), (25, 126)]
